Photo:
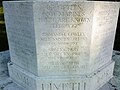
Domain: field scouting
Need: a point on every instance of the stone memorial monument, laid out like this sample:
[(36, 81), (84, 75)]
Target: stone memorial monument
[(61, 44)]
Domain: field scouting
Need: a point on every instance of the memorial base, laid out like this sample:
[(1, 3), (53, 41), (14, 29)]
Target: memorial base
[(86, 82)]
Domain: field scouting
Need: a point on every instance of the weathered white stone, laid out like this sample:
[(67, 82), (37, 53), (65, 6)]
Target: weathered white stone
[(61, 37), (113, 84), (20, 32), (86, 82), (103, 33), (4, 59)]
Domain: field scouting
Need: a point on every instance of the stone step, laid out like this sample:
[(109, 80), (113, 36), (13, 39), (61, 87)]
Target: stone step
[(93, 81)]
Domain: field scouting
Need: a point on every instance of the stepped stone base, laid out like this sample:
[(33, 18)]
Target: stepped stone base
[(86, 82)]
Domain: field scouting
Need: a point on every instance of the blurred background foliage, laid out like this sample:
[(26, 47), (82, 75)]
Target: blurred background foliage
[(3, 36)]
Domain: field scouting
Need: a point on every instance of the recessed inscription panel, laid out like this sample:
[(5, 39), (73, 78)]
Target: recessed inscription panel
[(20, 31), (62, 36), (104, 28)]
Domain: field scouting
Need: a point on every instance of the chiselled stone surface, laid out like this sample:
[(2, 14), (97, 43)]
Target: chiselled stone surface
[(4, 59), (61, 38), (20, 31), (113, 84), (103, 33), (86, 82)]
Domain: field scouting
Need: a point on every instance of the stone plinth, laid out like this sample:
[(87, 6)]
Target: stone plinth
[(113, 84), (92, 81)]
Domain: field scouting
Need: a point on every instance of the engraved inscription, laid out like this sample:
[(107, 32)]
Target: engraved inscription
[(65, 40), (63, 86), (103, 33), (20, 32)]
